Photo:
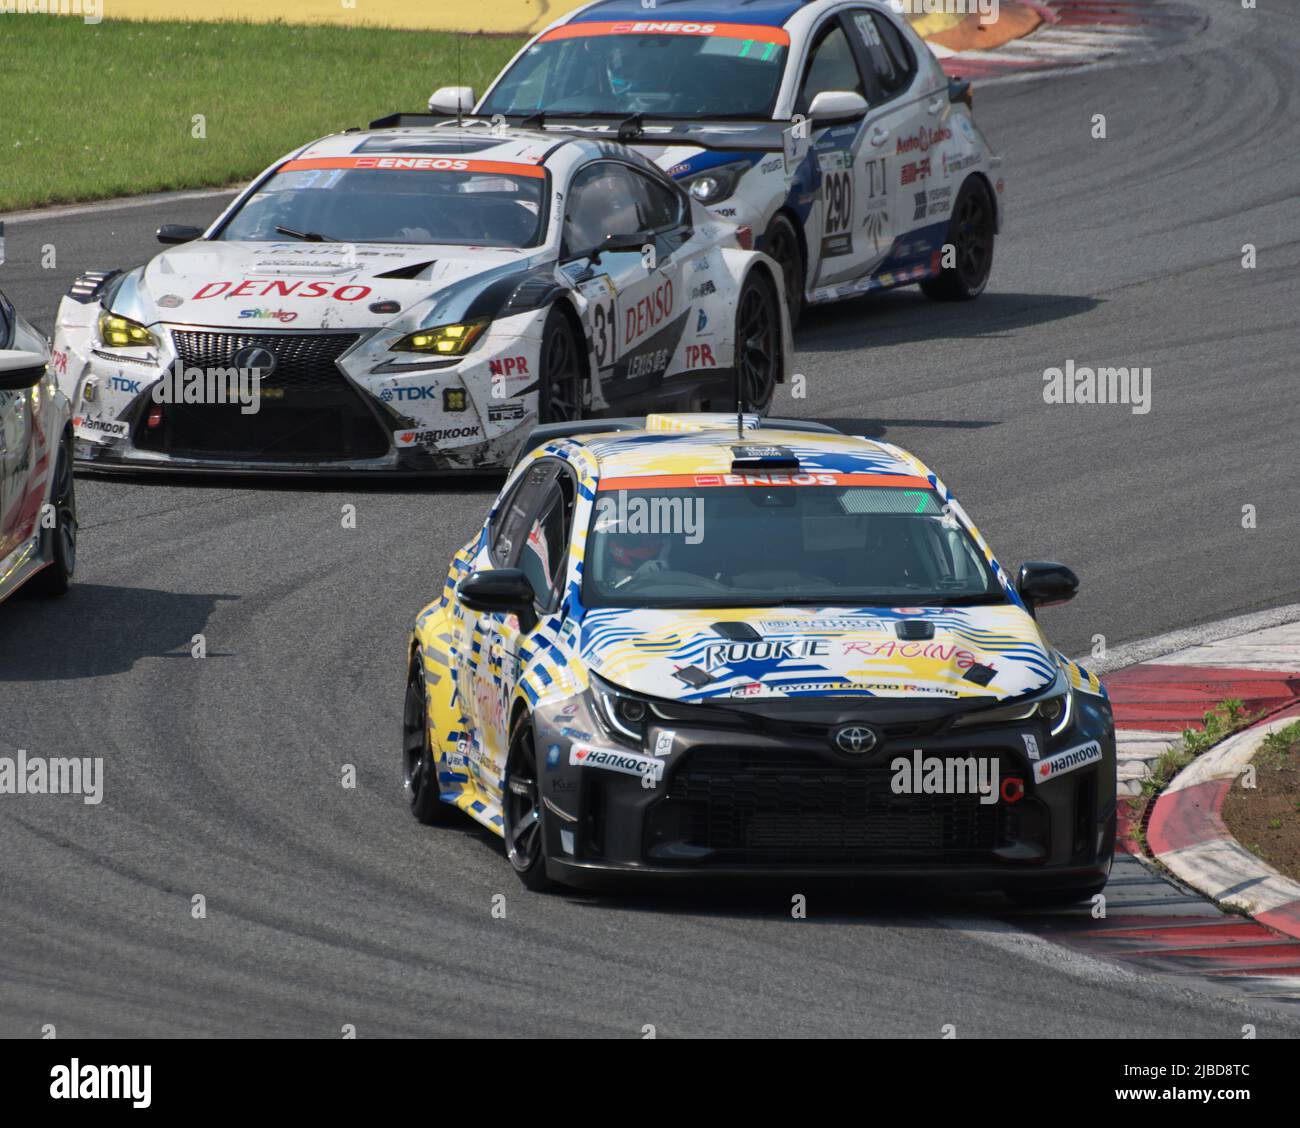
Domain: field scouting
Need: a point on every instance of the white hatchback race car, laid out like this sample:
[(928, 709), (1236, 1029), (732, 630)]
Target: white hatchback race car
[(38, 500), (828, 127), (413, 300)]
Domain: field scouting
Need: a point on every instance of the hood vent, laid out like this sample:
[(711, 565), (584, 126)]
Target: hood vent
[(408, 272), (737, 632), (914, 630)]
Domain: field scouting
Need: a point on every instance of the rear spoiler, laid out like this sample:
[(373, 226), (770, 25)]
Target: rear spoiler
[(739, 136), (548, 432)]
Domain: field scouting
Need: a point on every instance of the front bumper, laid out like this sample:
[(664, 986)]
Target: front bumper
[(780, 801)]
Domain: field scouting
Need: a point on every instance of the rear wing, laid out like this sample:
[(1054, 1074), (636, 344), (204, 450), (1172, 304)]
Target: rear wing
[(739, 136), (545, 433)]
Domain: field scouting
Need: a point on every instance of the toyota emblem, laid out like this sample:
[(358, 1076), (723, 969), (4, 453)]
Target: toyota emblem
[(256, 358), (855, 739)]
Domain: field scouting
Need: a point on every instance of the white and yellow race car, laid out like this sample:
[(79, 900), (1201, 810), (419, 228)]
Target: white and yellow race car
[(705, 646)]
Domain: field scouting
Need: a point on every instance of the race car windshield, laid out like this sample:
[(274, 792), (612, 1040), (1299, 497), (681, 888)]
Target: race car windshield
[(754, 545), (733, 74), (394, 204)]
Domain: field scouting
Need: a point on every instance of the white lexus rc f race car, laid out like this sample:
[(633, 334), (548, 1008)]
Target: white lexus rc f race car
[(411, 300), (828, 127)]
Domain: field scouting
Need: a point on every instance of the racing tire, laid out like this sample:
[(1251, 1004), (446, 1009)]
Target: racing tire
[(758, 342), (420, 773), (971, 232), (523, 822), (782, 244), (59, 544), (559, 389)]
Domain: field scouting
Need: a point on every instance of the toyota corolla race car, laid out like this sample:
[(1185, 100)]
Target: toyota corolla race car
[(38, 501), (679, 650), (827, 127), (406, 299)]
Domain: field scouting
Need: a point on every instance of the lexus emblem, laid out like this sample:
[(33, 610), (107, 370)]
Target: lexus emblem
[(256, 357), (856, 740)]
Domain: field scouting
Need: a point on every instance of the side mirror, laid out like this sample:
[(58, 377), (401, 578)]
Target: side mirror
[(837, 105), (452, 100), (178, 233), (504, 591), (20, 370), (1044, 584)]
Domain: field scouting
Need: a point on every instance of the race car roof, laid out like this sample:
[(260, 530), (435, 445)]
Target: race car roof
[(520, 147), (767, 13), (700, 450)]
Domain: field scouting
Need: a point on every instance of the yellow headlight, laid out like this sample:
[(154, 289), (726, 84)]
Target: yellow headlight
[(123, 333), (445, 340)]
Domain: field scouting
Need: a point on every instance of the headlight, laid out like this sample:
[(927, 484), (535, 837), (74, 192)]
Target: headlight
[(445, 340), (123, 333), (621, 713), (717, 184), (1056, 709)]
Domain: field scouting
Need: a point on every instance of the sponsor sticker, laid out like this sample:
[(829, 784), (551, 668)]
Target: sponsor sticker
[(1069, 761), (91, 427), (414, 438), (1031, 745), (627, 763), (664, 742)]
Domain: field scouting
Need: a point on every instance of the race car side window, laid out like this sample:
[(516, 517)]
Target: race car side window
[(890, 58), (510, 523), (831, 66), (601, 203), (659, 206), (542, 552)]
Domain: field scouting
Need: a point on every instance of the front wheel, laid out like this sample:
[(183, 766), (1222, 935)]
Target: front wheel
[(59, 539), (420, 773), (559, 392), (758, 343), (970, 233), (782, 244), (521, 810)]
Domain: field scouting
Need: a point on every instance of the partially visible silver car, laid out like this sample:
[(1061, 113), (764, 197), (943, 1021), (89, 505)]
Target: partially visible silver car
[(38, 504)]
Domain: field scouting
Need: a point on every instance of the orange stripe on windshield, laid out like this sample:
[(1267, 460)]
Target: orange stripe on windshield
[(416, 164), (760, 33), (761, 478)]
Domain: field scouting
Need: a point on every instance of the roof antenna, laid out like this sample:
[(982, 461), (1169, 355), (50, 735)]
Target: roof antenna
[(459, 39)]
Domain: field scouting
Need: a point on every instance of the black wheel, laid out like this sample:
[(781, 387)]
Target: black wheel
[(970, 231), (521, 810), (1030, 898), (782, 244), (758, 342), (559, 392), (420, 773), (59, 543)]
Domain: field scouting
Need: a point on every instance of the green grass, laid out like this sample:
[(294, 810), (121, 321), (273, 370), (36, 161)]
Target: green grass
[(1221, 722), (93, 111)]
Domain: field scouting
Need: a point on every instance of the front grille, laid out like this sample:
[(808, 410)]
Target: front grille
[(786, 808), (309, 411)]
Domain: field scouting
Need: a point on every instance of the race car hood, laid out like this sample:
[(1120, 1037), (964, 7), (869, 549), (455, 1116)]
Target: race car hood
[(304, 285), (974, 652)]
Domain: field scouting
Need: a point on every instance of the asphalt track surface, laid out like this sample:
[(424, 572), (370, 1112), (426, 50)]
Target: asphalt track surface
[(328, 906)]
